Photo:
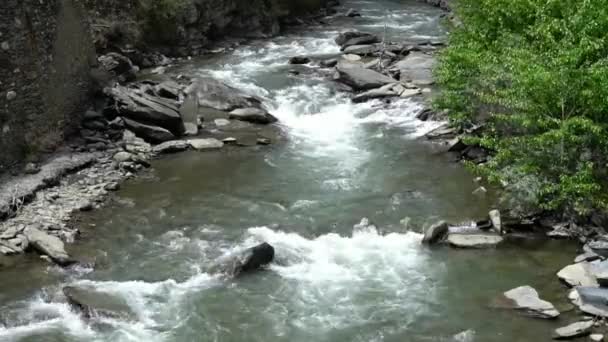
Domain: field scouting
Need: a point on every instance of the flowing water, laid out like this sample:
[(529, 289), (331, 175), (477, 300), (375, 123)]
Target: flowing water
[(333, 280)]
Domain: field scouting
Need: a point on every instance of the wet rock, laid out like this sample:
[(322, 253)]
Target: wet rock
[(591, 300), (435, 233), (416, 67), (577, 275), (147, 109), (496, 221), (48, 245), (168, 89), (526, 300), (464, 336), (91, 303), (456, 145), (442, 132), (599, 246), (573, 330), (122, 156), (362, 50), (559, 232), (215, 94), (171, 146), (329, 63), (189, 114), (150, 133), (343, 37), (351, 58), (113, 186), (474, 240), (205, 144), (11, 95), (365, 39), (596, 337), (299, 60), (351, 13), (254, 115), (382, 92), (118, 65), (362, 79), (31, 168), (253, 259)]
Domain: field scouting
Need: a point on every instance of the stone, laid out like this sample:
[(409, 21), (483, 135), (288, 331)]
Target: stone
[(254, 115), (299, 60), (205, 144), (249, 260), (573, 330), (122, 156), (596, 337), (221, 122), (456, 145), (587, 256), (362, 79), (329, 63), (343, 37), (171, 146), (112, 186), (217, 95), (189, 113), (496, 221), (464, 336), (526, 299), (5, 46), (591, 300), (150, 133), (577, 275), (474, 240), (351, 13), (480, 191), (435, 233), (599, 246), (366, 39), (409, 93), (31, 168), (91, 303), (559, 232), (264, 141), (362, 50), (48, 245), (11, 95), (379, 93), (351, 58), (417, 68)]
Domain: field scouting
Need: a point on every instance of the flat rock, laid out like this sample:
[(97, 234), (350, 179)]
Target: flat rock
[(573, 330), (343, 37), (154, 134), (435, 233), (215, 94), (591, 300), (374, 94), (254, 115), (48, 245), (526, 299), (91, 303), (206, 144), (416, 67), (171, 146), (587, 256), (360, 78), (577, 275), (474, 240)]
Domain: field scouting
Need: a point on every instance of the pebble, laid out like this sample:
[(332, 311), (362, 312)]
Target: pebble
[(11, 95)]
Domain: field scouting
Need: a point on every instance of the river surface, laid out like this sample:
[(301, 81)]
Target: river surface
[(305, 195)]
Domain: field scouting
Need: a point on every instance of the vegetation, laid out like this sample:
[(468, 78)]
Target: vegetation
[(535, 72), (160, 18)]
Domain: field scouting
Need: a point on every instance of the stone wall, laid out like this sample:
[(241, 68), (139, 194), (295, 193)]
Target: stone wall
[(45, 56)]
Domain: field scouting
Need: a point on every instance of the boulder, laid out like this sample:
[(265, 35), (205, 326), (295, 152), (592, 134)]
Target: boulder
[(435, 233), (171, 146), (577, 275), (343, 37), (365, 39), (495, 219), (591, 300), (118, 65), (299, 60), (382, 92), (362, 79), (526, 300), (361, 50), (573, 330), (329, 63), (122, 156), (215, 94), (91, 303), (48, 245), (253, 259), (474, 240), (254, 115), (599, 246), (416, 67), (205, 144), (149, 133), (596, 337)]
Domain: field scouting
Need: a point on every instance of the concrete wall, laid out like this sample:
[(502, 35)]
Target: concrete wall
[(45, 56)]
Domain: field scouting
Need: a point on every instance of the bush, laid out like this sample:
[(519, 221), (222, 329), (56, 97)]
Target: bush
[(536, 72), (160, 18)]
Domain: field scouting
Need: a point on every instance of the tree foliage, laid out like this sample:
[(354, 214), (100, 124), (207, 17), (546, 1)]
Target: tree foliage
[(536, 73)]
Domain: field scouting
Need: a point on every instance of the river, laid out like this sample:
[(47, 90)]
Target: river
[(333, 280)]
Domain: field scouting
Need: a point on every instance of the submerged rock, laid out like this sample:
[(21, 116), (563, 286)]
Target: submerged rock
[(527, 300), (474, 240), (48, 245), (91, 303), (248, 260), (254, 115), (435, 233), (573, 330)]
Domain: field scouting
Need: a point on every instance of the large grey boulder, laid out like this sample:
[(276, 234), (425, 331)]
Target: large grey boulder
[(475, 241), (360, 78), (578, 274), (527, 300), (574, 330), (91, 303), (215, 94), (417, 68), (591, 300), (254, 115), (247, 261), (435, 233), (364, 39), (48, 245), (154, 134)]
